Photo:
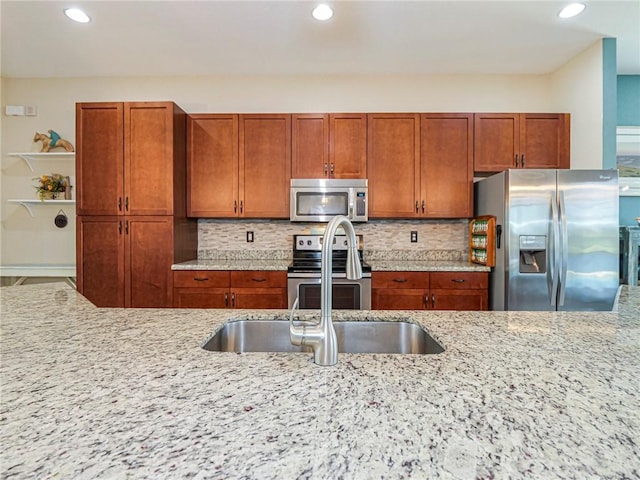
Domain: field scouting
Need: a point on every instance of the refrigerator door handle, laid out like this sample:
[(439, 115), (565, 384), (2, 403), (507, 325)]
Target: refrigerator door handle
[(565, 250), (552, 259)]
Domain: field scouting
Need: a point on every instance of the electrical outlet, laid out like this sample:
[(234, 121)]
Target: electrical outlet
[(250, 236), (414, 236)]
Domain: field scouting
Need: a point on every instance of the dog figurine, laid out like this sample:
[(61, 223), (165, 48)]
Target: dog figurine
[(52, 141)]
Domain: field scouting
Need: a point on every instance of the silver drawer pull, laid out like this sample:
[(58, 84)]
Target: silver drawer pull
[(400, 280), (198, 279), (258, 279), (458, 280)]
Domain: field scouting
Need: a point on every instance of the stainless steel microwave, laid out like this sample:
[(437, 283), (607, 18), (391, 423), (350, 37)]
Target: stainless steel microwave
[(320, 199)]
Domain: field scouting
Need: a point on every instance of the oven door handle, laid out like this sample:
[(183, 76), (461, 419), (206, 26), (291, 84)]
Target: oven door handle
[(293, 275)]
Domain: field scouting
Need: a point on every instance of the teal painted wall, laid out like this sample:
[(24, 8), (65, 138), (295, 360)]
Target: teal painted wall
[(610, 102), (628, 100), (629, 115)]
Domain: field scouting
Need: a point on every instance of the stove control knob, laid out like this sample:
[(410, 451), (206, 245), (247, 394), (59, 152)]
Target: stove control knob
[(309, 242), (345, 243), (300, 242)]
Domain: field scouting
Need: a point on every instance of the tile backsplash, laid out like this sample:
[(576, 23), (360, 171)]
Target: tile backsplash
[(437, 239)]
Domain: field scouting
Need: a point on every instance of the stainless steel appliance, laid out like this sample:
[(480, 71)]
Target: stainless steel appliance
[(320, 199), (304, 275), (558, 247), (629, 255)]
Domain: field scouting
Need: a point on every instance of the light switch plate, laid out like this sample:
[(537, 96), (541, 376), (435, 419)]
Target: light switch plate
[(414, 236), (250, 236)]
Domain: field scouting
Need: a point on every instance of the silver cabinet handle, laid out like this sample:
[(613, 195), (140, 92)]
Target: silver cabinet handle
[(433, 301), (241, 205), (326, 169), (417, 206), (119, 204), (522, 160), (119, 227), (331, 170), (126, 227), (226, 299), (516, 160), (233, 300), (235, 206), (126, 203), (423, 206)]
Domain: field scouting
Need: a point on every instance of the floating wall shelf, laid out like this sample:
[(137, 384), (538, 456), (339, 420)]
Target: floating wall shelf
[(30, 157), (28, 203)]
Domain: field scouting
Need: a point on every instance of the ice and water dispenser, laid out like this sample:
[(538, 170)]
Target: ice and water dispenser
[(533, 254)]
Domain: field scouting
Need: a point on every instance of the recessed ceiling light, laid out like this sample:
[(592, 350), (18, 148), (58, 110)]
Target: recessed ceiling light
[(322, 12), (77, 15), (571, 10)]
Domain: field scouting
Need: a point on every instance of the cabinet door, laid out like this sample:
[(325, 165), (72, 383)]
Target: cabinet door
[(348, 145), (259, 298), (496, 141), (398, 299), (265, 165), (99, 158), (148, 158), (310, 145), (186, 297), (148, 257), (446, 165), (458, 299), (544, 140), (393, 164), (201, 289), (212, 166), (101, 259)]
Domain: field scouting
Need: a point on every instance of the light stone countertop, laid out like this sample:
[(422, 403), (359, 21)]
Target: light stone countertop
[(92, 393), (376, 265)]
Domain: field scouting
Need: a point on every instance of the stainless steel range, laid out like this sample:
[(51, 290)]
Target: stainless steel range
[(304, 275)]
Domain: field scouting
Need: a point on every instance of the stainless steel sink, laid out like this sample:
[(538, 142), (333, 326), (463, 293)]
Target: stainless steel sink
[(353, 337)]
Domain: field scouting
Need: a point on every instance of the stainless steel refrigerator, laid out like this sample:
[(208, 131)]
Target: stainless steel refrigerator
[(557, 245)]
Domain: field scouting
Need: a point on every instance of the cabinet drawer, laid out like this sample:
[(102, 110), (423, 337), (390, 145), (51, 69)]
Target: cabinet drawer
[(258, 279), (400, 280), (464, 280), (200, 278)]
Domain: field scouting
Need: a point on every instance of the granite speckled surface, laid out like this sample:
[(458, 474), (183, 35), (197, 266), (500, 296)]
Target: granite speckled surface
[(110, 393), (389, 260)]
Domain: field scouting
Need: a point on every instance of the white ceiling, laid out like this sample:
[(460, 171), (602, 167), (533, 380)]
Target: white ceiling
[(160, 38)]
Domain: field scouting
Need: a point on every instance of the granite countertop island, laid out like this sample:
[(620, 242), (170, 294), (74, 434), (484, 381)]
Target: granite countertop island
[(129, 393)]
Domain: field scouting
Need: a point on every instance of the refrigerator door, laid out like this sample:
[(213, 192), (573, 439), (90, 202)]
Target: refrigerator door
[(530, 237), (589, 239)]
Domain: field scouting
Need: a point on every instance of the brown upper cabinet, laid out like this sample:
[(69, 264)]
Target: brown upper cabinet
[(329, 145), (127, 158), (212, 165), (238, 165), (446, 159), (420, 166), (521, 140), (393, 164)]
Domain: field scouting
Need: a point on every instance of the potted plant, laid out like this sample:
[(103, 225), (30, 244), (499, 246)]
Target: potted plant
[(51, 187)]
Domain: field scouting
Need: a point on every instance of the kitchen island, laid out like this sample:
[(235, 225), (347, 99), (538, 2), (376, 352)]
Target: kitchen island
[(129, 393)]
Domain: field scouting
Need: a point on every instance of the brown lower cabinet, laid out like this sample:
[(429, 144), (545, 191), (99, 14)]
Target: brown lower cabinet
[(126, 261), (229, 289), (429, 290)]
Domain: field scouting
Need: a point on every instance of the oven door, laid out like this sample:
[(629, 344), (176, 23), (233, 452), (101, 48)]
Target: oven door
[(346, 294)]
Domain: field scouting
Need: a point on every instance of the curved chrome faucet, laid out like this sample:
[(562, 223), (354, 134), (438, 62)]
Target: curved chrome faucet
[(322, 336)]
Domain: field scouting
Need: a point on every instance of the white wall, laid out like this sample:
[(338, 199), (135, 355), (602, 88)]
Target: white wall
[(577, 88), (26, 240)]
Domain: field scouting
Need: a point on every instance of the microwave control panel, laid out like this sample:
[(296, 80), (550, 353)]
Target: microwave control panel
[(361, 204)]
